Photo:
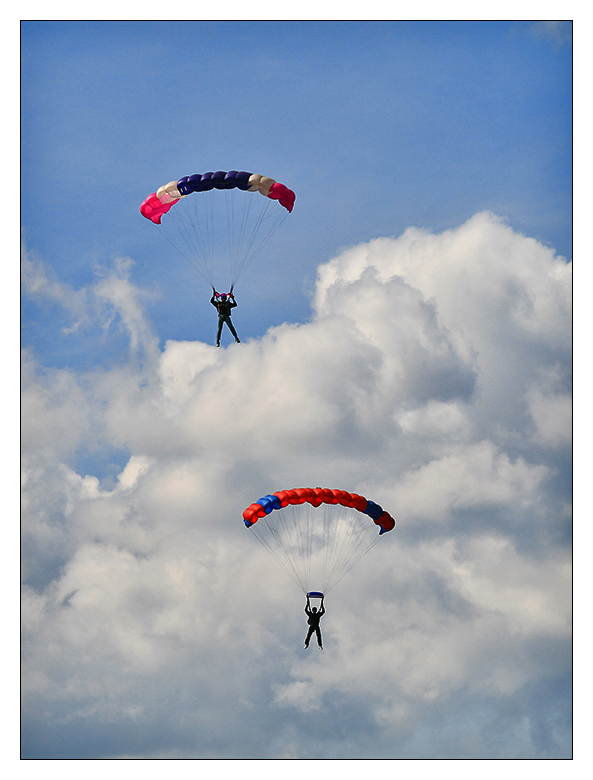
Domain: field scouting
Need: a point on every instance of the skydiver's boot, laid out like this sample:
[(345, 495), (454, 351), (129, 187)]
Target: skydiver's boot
[(237, 340)]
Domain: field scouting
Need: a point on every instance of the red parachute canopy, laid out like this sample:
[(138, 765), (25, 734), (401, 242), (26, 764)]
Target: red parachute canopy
[(316, 497), (316, 534)]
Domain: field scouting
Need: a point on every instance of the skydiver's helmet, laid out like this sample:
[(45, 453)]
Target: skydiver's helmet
[(223, 296)]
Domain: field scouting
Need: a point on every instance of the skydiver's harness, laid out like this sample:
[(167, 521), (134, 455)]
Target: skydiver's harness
[(314, 618), (223, 306)]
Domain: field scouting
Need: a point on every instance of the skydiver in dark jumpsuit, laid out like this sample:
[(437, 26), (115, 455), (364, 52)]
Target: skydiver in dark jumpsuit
[(313, 620), (224, 303)]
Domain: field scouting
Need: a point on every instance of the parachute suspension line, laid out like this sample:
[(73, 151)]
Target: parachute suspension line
[(187, 256), (286, 533), (342, 548), (255, 238), (316, 546), (194, 229), (222, 232), (303, 532), (327, 546), (291, 544), (331, 543), (283, 561), (345, 542), (246, 233), (232, 239), (207, 235), (237, 230), (353, 561), (351, 545), (200, 228)]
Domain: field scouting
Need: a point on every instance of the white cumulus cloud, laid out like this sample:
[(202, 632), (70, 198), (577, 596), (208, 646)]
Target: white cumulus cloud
[(433, 377)]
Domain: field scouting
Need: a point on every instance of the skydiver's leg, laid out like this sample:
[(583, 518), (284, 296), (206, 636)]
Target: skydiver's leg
[(309, 635), (319, 642), (219, 331), (231, 328)]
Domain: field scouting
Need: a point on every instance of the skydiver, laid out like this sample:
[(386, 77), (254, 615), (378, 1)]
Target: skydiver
[(224, 303), (313, 620)]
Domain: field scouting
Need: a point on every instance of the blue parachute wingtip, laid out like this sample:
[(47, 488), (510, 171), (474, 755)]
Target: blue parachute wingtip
[(373, 510)]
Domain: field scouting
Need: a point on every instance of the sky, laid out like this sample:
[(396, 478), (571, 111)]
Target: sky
[(406, 334)]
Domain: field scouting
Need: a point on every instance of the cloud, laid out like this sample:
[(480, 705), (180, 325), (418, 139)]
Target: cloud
[(473, 476), (559, 32), (41, 283), (432, 377), (112, 300)]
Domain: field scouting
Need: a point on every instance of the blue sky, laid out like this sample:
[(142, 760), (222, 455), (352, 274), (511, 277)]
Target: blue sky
[(375, 125), (406, 334)]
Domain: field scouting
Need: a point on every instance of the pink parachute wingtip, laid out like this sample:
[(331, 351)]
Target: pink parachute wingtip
[(153, 209), (281, 193)]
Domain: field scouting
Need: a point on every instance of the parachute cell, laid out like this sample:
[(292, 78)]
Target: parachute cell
[(153, 208)]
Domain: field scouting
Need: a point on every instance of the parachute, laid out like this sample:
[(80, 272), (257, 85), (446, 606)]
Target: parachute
[(317, 534), (219, 234)]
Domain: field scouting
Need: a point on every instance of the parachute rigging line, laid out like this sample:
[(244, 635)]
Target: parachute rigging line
[(316, 535), (214, 234)]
